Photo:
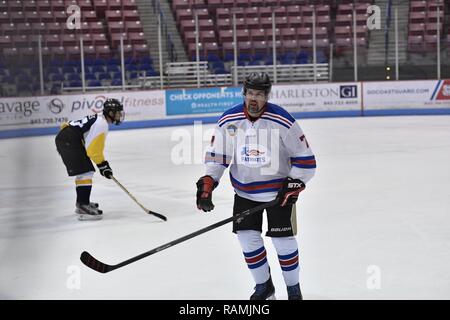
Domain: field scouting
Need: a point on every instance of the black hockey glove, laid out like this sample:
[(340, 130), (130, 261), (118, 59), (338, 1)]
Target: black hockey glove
[(288, 193), (105, 169), (205, 187)]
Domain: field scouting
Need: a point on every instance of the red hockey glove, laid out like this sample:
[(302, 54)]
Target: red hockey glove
[(205, 187), (288, 193)]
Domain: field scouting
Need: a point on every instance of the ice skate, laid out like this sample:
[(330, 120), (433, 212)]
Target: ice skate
[(88, 212), (95, 206), (264, 291), (294, 292)]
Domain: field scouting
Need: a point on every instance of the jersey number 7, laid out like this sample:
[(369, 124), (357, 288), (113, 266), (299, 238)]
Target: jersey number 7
[(306, 141)]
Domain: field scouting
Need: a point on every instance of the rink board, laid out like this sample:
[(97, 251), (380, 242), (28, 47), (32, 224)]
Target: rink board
[(31, 116)]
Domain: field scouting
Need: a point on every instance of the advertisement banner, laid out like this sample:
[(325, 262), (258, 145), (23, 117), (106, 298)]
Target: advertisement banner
[(295, 98), (406, 94), (317, 97), (51, 111), (201, 101)]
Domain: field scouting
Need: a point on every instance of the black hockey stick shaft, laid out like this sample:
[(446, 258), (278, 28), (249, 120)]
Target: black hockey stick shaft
[(135, 200), (101, 267)]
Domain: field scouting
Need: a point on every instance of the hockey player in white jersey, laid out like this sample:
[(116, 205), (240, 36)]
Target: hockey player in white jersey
[(269, 157), (79, 143)]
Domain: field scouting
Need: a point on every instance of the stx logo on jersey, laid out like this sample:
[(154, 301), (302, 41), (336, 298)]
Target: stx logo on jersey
[(294, 185)]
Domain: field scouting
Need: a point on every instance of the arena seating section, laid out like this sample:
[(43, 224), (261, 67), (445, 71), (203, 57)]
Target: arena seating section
[(103, 21), (21, 23), (423, 28), (334, 23)]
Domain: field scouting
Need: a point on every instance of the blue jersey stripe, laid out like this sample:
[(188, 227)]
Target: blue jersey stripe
[(254, 253), (290, 268), (304, 166), (257, 183), (277, 121), (288, 256)]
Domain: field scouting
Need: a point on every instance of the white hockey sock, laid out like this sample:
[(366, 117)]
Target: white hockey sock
[(255, 254), (287, 250)]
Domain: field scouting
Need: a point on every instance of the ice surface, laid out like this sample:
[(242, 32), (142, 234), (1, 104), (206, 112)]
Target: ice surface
[(380, 202)]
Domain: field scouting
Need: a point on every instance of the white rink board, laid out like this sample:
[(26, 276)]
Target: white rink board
[(51, 111), (318, 97), (406, 94)]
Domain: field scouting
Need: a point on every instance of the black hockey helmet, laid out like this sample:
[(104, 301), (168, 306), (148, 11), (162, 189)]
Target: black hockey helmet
[(257, 81), (116, 108)]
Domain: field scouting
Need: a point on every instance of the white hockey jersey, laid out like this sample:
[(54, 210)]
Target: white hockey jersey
[(261, 153)]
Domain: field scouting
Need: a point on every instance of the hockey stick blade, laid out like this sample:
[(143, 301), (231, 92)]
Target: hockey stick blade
[(94, 264), (101, 267), (157, 215)]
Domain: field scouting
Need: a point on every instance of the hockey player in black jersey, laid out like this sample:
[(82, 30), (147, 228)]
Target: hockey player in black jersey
[(269, 157), (82, 142)]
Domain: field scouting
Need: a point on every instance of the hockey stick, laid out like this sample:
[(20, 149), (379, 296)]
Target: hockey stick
[(101, 267), (132, 197)]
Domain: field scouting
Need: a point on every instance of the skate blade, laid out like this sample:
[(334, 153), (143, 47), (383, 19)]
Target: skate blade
[(86, 217), (271, 297)]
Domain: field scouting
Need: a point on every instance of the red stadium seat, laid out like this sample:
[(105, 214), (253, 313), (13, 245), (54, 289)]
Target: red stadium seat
[(99, 39), (257, 35), (290, 45), (280, 11), (96, 27), (293, 10), (281, 22), (253, 23), (116, 26), (68, 40), (59, 16), (129, 4), (260, 47), (417, 17), (114, 4), (38, 28), (211, 48), (87, 39), (206, 24), (223, 13), (295, 22), (58, 5), (5, 41), (137, 38), (243, 35), (103, 51), (289, 34), (266, 23), (100, 5), (113, 15), (134, 26), (43, 5), (24, 28), (208, 36), (251, 12), (418, 6), (225, 35), (54, 28), (417, 29), (52, 40)]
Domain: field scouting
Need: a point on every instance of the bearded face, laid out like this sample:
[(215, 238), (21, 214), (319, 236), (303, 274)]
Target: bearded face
[(255, 100)]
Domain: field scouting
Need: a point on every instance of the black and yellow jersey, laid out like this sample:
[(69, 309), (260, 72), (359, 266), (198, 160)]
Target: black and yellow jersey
[(93, 130)]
